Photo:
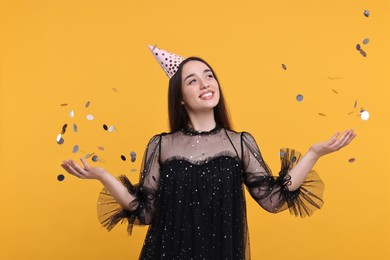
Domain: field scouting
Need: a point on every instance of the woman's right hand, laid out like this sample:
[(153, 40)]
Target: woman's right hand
[(87, 172)]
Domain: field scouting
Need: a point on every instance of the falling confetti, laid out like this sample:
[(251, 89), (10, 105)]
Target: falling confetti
[(88, 155), (366, 13), (101, 148), (60, 140), (358, 47), (71, 113), (354, 106), (60, 177), (75, 128), (64, 129), (351, 160), (115, 89), (321, 114), (90, 117), (299, 97), (365, 115), (95, 158), (111, 129), (123, 158), (363, 53), (335, 91), (63, 104), (105, 127), (133, 156), (75, 149), (87, 104), (366, 41), (284, 66)]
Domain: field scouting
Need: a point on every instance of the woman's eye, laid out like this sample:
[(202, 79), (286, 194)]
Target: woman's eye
[(191, 81), (210, 76)]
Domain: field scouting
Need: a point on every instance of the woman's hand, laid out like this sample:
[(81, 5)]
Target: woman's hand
[(335, 143), (87, 172)]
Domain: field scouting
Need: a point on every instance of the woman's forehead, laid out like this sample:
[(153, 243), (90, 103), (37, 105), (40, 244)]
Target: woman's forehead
[(194, 66)]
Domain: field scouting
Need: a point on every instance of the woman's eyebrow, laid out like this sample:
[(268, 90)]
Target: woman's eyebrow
[(206, 70)]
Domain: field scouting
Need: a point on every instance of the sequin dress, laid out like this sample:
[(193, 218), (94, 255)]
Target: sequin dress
[(191, 193)]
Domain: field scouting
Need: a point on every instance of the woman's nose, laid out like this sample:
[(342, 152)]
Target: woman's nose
[(204, 84)]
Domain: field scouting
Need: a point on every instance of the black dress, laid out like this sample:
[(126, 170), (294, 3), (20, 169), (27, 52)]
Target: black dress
[(191, 193)]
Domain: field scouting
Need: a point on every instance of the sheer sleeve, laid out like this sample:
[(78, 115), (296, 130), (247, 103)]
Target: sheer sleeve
[(272, 192), (110, 213)]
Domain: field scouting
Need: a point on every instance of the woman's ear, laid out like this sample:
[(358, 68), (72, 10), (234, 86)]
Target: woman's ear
[(182, 102)]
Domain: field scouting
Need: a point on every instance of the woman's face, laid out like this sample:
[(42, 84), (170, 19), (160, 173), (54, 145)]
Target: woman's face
[(200, 90)]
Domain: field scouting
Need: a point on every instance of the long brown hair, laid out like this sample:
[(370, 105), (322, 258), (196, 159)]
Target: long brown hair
[(178, 116)]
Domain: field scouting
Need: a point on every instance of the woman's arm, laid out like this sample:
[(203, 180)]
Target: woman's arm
[(113, 186), (306, 163)]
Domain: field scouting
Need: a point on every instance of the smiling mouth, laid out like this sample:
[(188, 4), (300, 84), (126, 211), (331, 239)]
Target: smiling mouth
[(207, 95)]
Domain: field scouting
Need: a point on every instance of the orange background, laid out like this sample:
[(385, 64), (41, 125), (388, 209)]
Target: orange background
[(55, 52)]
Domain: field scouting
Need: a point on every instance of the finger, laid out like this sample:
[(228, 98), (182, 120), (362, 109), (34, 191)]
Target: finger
[(78, 168), (69, 168), (334, 138), (345, 139), (86, 165)]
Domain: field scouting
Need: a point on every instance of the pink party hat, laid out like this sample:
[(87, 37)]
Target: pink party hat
[(167, 60)]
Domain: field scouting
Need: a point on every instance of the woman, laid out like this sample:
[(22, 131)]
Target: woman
[(191, 183)]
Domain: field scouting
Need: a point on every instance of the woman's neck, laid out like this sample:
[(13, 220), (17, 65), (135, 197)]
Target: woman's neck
[(202, 122)]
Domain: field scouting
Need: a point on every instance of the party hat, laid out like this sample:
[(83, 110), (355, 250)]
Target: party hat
[(167, 60)]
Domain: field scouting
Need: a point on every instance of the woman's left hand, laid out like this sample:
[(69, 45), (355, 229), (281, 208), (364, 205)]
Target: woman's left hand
[(335, 143)]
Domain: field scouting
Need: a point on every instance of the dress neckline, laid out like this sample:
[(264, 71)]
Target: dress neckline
[(191, 131)]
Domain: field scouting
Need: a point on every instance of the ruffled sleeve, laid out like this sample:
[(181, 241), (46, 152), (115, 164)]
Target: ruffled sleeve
[(271, 192), (110, 213)]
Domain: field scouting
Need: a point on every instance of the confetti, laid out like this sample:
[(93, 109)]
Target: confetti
[(284, 66), (115, 89), (111, 129), (95, 158), (60, 177), (365, 115), (366, 13), (101, 148), (71, 113), (75, 128), (299, 97), (358, 47), (321, 114), (105, 127), (366, 41), (123, 158), (90, 117), (64, 129), (351, 160), (63, 104), (133, 156), (363, 53), (354, 106), (335, 91), (87, 104), (59, 139), (88, 155), (75, 149)]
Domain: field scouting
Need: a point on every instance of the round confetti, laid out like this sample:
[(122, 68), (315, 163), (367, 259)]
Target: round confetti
[(322, 114), (64, 104), (75, 148), (335, 91), (75, 128), (87, 104), (355, 104), (71, 113), (351, 160), (366, 13), (133, 156), (115, 89), (111, 129), (105, 127), (64, 129), (101, 148), (365, 115), (88, 155), (284, 66), (299, 97), (363, 53), (294, 159), (90, 117), (95, 158), (59, 138), (358, 47), (123, 158), (60, 177), (366, 41)]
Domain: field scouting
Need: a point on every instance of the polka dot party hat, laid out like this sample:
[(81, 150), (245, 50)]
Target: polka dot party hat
[(167, 60)]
